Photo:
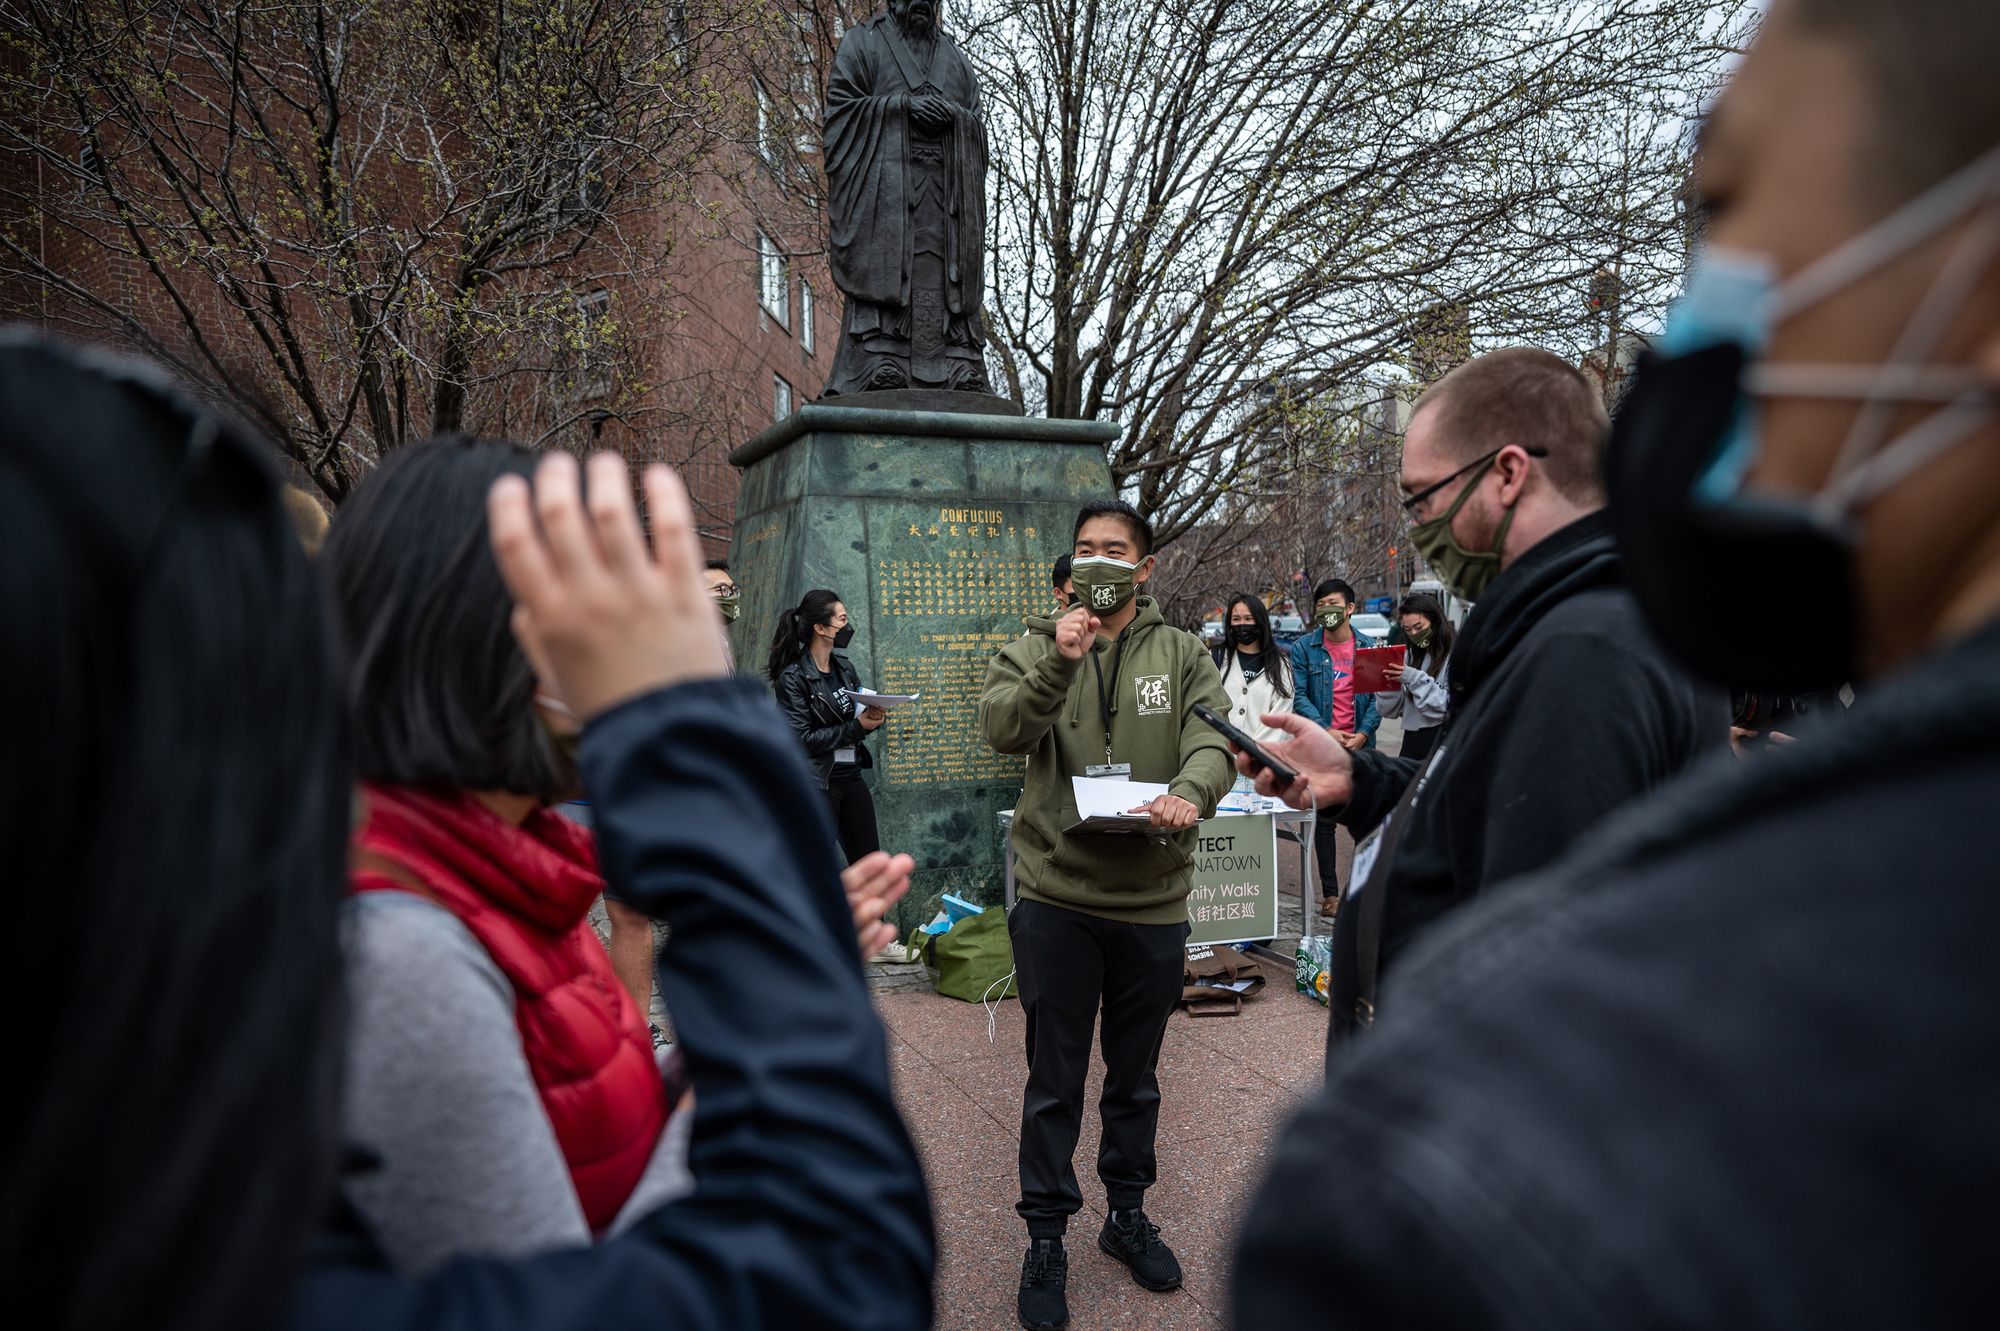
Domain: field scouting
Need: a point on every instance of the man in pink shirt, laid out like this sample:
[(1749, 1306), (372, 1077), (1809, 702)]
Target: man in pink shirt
[(1323, 667)]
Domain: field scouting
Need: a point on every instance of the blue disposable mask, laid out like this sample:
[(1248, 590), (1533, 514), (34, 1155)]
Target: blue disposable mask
[(1727, 300)]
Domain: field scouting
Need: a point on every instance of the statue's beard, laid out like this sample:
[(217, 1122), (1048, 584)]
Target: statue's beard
[(907, 22)]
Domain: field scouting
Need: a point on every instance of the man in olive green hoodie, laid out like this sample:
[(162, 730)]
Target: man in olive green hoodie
[(1107, 689)]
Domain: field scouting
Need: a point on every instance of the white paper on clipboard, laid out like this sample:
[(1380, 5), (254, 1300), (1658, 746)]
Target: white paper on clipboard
[(1104, 804)]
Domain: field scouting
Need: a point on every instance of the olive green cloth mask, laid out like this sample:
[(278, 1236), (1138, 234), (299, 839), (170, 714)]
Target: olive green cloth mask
[(567, 745), (1103, 583), (1465, 573)]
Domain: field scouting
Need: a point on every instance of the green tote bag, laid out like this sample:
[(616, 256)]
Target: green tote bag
[(973, 961)]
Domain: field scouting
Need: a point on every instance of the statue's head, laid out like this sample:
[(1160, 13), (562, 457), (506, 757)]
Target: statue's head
[(915, 16)]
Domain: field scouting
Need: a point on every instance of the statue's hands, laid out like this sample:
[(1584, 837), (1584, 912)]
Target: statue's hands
[(931, 112)]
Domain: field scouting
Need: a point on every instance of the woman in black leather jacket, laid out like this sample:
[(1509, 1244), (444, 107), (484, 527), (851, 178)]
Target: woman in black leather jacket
[(810, 680)]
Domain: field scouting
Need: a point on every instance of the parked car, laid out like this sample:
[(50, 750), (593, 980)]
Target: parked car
[(1371, 625), (1287, 629)]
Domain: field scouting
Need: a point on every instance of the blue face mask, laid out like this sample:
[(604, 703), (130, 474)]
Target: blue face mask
[(1727, 301)]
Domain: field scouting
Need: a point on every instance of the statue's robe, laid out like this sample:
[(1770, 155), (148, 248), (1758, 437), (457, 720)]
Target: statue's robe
[(908, 214)]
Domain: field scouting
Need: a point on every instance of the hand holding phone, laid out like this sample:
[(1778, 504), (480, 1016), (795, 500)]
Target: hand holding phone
[(1323, 775), (1260, 757)]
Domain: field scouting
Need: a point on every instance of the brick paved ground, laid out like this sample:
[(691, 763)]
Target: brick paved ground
[(1226, 1085)]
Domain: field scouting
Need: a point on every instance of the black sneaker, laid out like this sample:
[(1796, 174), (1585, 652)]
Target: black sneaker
[(1043, 1276), (1135, 1241)]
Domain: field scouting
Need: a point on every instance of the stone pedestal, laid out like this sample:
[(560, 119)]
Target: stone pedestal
[(938, 530)]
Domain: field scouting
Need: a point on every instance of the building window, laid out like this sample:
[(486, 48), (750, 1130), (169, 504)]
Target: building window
[(767, 125), (587, 193), (806, 338), (781, 397), (773, 281), (590, 356)]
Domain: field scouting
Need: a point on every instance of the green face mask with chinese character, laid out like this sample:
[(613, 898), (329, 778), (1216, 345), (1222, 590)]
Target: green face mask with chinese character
[(730, 606), (1103, 583), (1330, 617)]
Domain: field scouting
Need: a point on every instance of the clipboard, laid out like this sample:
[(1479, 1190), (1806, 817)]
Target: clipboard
[(1371, 666), (1102, 805)]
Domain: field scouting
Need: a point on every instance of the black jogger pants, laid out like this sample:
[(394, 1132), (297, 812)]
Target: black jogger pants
[(1067, 964)]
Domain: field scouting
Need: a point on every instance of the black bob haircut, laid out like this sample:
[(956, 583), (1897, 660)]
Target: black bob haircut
[(440, 695), (1332, 585), (1142, 530)]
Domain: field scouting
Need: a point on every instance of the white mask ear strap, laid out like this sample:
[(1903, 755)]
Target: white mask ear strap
[(1970, 257), (1844, 382), (555, 704), (1906, 455)]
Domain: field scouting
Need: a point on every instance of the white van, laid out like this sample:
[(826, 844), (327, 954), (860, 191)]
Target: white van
[(1455, 610)]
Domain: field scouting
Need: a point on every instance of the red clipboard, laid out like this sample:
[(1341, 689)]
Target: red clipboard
[(1371, 667)]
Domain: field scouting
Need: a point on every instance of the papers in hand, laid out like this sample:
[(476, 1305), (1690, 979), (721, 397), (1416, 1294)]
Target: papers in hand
[(1104, 805), (888, 702)]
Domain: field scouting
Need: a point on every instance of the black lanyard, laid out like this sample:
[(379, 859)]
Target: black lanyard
[(1104, 708)]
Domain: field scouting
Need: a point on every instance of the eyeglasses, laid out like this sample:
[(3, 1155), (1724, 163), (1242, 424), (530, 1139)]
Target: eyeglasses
[(725, 589), (1410, 504)]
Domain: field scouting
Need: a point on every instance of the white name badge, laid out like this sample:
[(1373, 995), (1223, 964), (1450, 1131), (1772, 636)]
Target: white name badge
[(1109, 771), (1364, 857), (845, 755)]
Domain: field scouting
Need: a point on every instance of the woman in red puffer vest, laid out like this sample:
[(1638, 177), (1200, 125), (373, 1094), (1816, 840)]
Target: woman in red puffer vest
[(501, 1079)]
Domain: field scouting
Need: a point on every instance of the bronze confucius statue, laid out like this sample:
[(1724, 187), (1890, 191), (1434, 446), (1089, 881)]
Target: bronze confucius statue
[(906, 170)]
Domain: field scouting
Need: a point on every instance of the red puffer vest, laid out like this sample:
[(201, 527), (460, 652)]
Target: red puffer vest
[(525, 893)]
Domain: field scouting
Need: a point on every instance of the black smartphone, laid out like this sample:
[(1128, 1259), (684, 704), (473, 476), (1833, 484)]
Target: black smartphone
[(1260, 755)]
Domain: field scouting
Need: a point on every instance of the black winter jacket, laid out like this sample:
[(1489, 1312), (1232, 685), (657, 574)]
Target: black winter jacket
[(1731, 1065), (809, 1207), (797, 685), (1562, 709)]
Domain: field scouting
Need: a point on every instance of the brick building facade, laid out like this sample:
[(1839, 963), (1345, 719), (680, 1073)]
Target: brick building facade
[(737, 326)]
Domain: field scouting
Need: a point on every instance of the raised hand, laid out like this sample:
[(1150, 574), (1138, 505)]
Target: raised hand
[(874, 883), (872, 718), (609, 618), (1325, 768), (1076, 633)]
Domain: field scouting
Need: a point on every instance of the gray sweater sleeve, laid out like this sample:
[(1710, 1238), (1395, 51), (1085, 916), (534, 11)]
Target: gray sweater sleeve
[(438, 1087)]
